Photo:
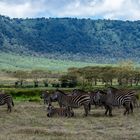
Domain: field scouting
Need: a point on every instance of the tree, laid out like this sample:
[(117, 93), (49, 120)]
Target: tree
[(68, 81), (21, 76)]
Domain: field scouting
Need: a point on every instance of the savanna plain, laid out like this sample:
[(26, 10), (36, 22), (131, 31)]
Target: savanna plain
[(29, 121)]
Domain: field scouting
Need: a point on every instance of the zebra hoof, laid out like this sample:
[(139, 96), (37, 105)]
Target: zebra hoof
[(85, 115), (48, 115)]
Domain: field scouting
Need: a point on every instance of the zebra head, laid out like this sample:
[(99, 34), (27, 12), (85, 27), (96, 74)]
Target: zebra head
[(97, 97), (44, 94), (55, 95), (46, 97)]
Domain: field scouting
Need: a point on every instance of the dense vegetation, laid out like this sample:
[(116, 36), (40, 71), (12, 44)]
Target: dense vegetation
[(125, 74), (101, 41)]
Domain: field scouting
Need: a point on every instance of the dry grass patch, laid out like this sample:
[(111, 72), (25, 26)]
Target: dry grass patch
[(28, 121)]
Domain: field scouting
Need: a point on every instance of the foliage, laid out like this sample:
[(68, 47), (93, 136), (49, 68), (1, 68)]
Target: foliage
[(101, 41), (89, 76), (68, 81)]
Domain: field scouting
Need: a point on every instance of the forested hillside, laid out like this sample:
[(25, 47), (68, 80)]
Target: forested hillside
[(102, 41)]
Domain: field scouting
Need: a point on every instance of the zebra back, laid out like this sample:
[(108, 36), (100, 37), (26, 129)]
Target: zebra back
[(120, 96), (6, 98), (72, 101)]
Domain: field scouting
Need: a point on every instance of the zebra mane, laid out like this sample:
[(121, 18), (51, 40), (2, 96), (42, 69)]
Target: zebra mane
[(79, 90), (61, 91), (113, 88), (102, 92)]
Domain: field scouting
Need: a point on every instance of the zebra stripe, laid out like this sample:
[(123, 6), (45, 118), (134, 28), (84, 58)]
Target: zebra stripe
[(116, 97), (73, 101), (6, 99), (65, 112), (91, 94), (121, 96)]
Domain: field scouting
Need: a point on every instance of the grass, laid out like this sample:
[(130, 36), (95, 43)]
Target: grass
[(17, 62), (28, 121)]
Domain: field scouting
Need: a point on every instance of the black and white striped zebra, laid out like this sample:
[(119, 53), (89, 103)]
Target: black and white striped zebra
[(6, 99), (91, 94), (116, 97), (73, 101), (62, 112)]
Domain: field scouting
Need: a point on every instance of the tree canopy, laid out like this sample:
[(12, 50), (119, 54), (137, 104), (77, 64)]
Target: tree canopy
[(71, 38)]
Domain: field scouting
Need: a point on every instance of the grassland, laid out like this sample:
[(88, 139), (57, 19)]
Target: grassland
[(16, 62), (28, 121)]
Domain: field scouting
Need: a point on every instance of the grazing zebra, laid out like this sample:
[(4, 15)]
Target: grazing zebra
[(63, 112), (46, 97), (115, 97), (6, 99), (73, 101)]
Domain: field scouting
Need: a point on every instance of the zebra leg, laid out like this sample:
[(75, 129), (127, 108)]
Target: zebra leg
[(131, 107), (106, 109), (68, 112), (8, 107), (110, 111), (127, 107), (86, 107)]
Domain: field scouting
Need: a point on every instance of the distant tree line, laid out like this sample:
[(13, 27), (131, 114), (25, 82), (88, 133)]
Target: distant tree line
[(123, 75)]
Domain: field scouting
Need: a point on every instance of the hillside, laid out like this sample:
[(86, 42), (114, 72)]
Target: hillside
[(12, 62), (99, 41)]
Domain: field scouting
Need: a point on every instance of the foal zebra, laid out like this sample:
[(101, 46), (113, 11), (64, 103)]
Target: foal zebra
[(116, 97), (63, 112), (6, 99), (73, 101)]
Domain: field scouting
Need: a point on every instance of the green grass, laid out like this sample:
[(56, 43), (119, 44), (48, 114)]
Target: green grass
[(17, 62), (33, 94)]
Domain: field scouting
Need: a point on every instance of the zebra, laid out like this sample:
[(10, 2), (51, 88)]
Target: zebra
[(63, 112), (73, 101), (91, 94), (45, 95), (115, 97), (6, 99)]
